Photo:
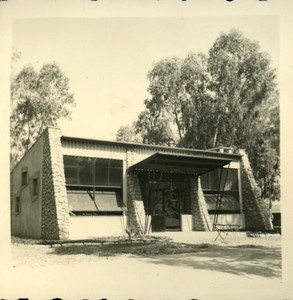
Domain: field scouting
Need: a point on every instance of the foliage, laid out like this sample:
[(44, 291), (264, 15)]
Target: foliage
[(154, 130), (226, 98), (127, 133), (38, 99), (166, 90)]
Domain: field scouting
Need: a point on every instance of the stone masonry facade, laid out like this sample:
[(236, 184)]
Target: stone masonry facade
[(135, 206), (55, 210), (199, 211), (257, 213)]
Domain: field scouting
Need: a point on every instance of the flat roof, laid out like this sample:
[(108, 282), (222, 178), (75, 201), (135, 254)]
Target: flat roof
[(188, 151)]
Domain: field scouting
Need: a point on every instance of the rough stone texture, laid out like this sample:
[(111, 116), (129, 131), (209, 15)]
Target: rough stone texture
[(55, 210), (256, 211), (130, 157), (135, 206), (199, 211)]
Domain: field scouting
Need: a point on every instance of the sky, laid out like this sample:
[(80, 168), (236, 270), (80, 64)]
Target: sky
[(107, 59)]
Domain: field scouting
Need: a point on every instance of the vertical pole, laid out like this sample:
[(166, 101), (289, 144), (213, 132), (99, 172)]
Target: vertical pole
[(242, 220), (94, 179), (221, 193)]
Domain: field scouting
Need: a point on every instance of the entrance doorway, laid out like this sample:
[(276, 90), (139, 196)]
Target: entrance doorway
[(166, 209)]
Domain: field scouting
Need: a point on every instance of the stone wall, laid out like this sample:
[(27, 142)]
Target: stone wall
[(135, 206), (199, 211), (256, 211), (55, 210)]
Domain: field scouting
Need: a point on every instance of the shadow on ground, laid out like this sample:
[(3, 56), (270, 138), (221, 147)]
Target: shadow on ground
[(243, 260)]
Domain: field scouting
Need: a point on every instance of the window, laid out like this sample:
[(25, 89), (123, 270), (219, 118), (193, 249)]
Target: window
[(35, 186), (84, 171), (24, 178), (211, 180), (94, 186), (86, 203), (17, 204), (227, 184), (229, 204)]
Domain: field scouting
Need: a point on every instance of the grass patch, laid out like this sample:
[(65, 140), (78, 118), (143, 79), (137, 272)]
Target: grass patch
[(138, 248)]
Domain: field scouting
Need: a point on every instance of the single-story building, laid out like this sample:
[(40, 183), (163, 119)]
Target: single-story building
[(68, 187)]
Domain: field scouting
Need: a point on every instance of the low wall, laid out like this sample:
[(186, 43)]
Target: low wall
[(82, 227)]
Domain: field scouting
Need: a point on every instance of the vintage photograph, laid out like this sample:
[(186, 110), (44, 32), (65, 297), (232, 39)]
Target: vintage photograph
[(145, 157)]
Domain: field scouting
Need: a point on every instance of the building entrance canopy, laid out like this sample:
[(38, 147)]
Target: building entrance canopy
[(180, 163)]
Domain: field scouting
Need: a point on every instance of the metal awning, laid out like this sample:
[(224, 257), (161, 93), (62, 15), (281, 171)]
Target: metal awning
[(228, 203), (104, 201), (80, 201), (109, 201), (180, 163)]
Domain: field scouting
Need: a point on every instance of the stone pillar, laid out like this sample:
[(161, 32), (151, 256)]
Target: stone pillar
[(199, 211), (135, 206), (256, 211), (55, 210)]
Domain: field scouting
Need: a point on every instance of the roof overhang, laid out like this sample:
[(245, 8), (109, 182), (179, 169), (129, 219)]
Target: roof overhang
[(180, 163)]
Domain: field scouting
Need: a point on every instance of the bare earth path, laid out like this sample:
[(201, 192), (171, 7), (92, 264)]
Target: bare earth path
[(240, 268)]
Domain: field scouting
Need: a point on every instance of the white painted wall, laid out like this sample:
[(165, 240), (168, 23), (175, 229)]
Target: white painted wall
[(186, 222), (82, 227), (229, 219)]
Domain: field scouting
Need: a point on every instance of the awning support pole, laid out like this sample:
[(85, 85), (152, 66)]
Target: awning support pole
[(220, 196)]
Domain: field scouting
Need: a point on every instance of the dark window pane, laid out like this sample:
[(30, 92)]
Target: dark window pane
[(214, 178), (210, 181), (35, 186), (71, 169), (82, 171), (101, 172), (24, 178), (17, 204), (204, 179), (116, 172), (71, 175), (86, 171), (231, 181)]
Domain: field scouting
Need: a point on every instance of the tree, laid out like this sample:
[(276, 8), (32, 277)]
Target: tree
[(198, 105), (226, 98), (154, 129), (263, 150), (244, 84), (166, 93), (127, 133), (242, 80), (38, 99)]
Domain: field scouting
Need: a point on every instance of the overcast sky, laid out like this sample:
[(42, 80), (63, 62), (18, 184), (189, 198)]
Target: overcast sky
[(107, 59)]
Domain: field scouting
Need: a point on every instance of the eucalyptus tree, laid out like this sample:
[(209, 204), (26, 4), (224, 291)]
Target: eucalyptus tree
[(38, 99), (228, 97)]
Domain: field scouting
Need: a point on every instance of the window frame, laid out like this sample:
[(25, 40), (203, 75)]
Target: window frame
[(35, 186), (99, 180), (24, 177), (17, 205)]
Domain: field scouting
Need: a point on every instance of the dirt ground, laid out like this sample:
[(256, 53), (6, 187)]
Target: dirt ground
[(190, 266)]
